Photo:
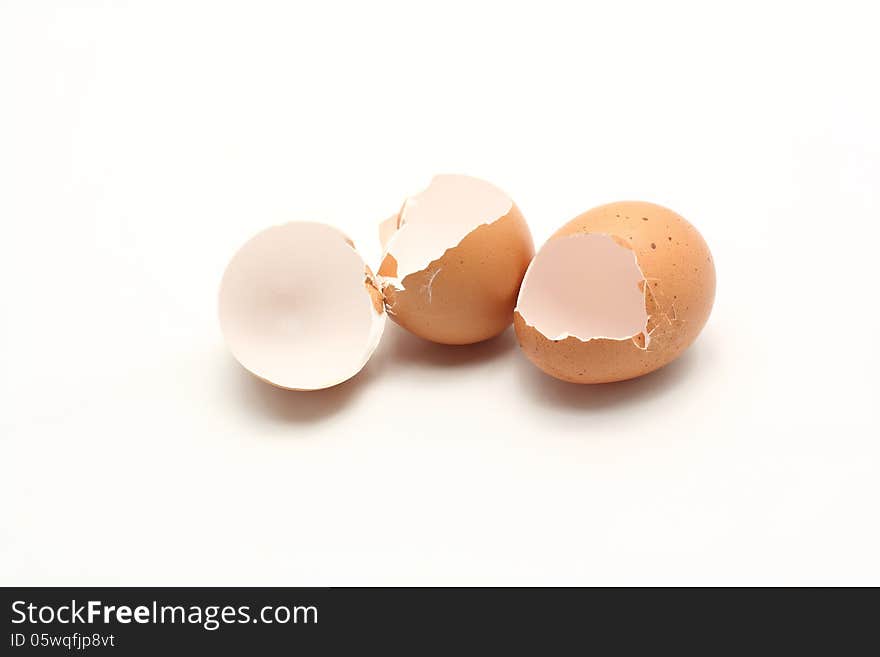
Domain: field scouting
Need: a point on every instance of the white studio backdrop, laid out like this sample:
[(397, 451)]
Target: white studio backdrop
[(142, 143)]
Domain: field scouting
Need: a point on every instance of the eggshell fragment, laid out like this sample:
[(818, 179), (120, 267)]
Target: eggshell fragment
[(387, 229), (618, 292), (299, 307), (454, 261)]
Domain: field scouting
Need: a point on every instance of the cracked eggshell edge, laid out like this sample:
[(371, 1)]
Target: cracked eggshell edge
[(410, 241)]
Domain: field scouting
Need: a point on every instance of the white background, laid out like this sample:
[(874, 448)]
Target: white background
[(142, 143)]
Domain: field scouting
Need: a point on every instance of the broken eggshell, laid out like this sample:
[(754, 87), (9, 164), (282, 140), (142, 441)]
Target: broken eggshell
[(299, 308), (617, 292), (454, 258)]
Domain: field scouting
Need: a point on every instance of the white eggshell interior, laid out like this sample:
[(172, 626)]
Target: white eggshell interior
[(587, 286), (387, 229), (439, 218), (294, 308)]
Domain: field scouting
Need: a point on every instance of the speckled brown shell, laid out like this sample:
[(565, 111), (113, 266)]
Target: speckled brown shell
[(469, 293), (680, 276)]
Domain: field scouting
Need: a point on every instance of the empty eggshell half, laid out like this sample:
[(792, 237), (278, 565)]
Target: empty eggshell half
[(454, 258), (618, 292), (299, 307)]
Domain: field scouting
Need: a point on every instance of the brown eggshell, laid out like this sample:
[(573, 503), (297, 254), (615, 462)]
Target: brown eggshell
[(468, 294), (680, 278), (455, 256)]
